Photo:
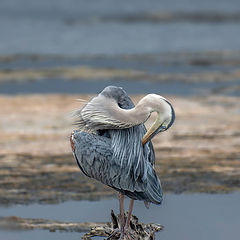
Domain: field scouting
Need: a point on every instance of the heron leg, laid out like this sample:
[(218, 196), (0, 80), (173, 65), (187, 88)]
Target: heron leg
[(129, 213), (122, 231), (122, 217), (122, 220), (127, 229)]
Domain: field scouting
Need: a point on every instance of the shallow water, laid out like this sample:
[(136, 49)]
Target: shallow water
[(40, 235), (105, 27), (110, 34), (94, 86), (185, 216)]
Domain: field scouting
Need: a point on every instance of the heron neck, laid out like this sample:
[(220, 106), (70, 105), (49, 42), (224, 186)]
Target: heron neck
[(137, 115)]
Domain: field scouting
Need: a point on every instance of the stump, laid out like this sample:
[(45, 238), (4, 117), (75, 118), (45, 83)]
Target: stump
[(138, 231)]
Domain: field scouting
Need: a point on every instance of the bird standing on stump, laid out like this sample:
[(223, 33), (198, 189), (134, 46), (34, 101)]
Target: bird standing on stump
[(113, 146)]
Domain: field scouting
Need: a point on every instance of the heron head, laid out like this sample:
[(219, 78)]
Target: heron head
[(165, 116)]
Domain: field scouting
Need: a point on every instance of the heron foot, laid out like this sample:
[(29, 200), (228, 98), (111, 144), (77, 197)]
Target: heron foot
[(128, 234), (117, 234), (114, 234)]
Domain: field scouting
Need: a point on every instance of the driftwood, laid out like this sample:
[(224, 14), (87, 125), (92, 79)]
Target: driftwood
[(138, 231), (15, 223)]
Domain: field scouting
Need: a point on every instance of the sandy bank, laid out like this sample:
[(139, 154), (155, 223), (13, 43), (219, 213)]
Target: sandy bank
[(200, 153)]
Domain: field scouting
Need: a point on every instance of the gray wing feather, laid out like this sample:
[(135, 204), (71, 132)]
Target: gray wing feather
[(92, 153), (95, 157), (130, 153)]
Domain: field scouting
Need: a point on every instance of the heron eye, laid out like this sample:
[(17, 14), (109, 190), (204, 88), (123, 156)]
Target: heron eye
[(120, 105)]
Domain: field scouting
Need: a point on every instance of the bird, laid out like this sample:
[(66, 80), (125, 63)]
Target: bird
[(111, 144)]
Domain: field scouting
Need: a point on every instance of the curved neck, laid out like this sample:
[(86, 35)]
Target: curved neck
[(137, 115), (142, 111)]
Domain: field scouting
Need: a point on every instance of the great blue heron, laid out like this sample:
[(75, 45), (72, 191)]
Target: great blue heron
[(113, 146)]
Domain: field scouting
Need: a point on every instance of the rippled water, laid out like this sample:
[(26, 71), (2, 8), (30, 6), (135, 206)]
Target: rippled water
[(116, 27), (120, 35)]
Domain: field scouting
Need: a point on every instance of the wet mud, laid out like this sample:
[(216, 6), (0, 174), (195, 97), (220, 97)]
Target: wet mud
[(200, 153)]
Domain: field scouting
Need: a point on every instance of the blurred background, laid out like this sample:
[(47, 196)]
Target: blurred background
[(175, 47), (54, 52)]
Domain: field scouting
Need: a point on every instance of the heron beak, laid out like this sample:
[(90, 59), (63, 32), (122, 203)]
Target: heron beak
[(154, 130)]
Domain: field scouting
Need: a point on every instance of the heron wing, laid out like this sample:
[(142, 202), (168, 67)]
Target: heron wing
[(95, 157), (92, 154)]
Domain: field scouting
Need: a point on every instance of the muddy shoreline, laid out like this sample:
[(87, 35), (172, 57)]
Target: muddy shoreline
[(199, 154)]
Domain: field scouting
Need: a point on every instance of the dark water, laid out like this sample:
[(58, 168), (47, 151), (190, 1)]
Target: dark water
[(132, 87), (122, 35), (117, 27), (185, 216)]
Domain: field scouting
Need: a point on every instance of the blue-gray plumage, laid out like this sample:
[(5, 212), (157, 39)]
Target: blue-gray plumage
[(113, 146)]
